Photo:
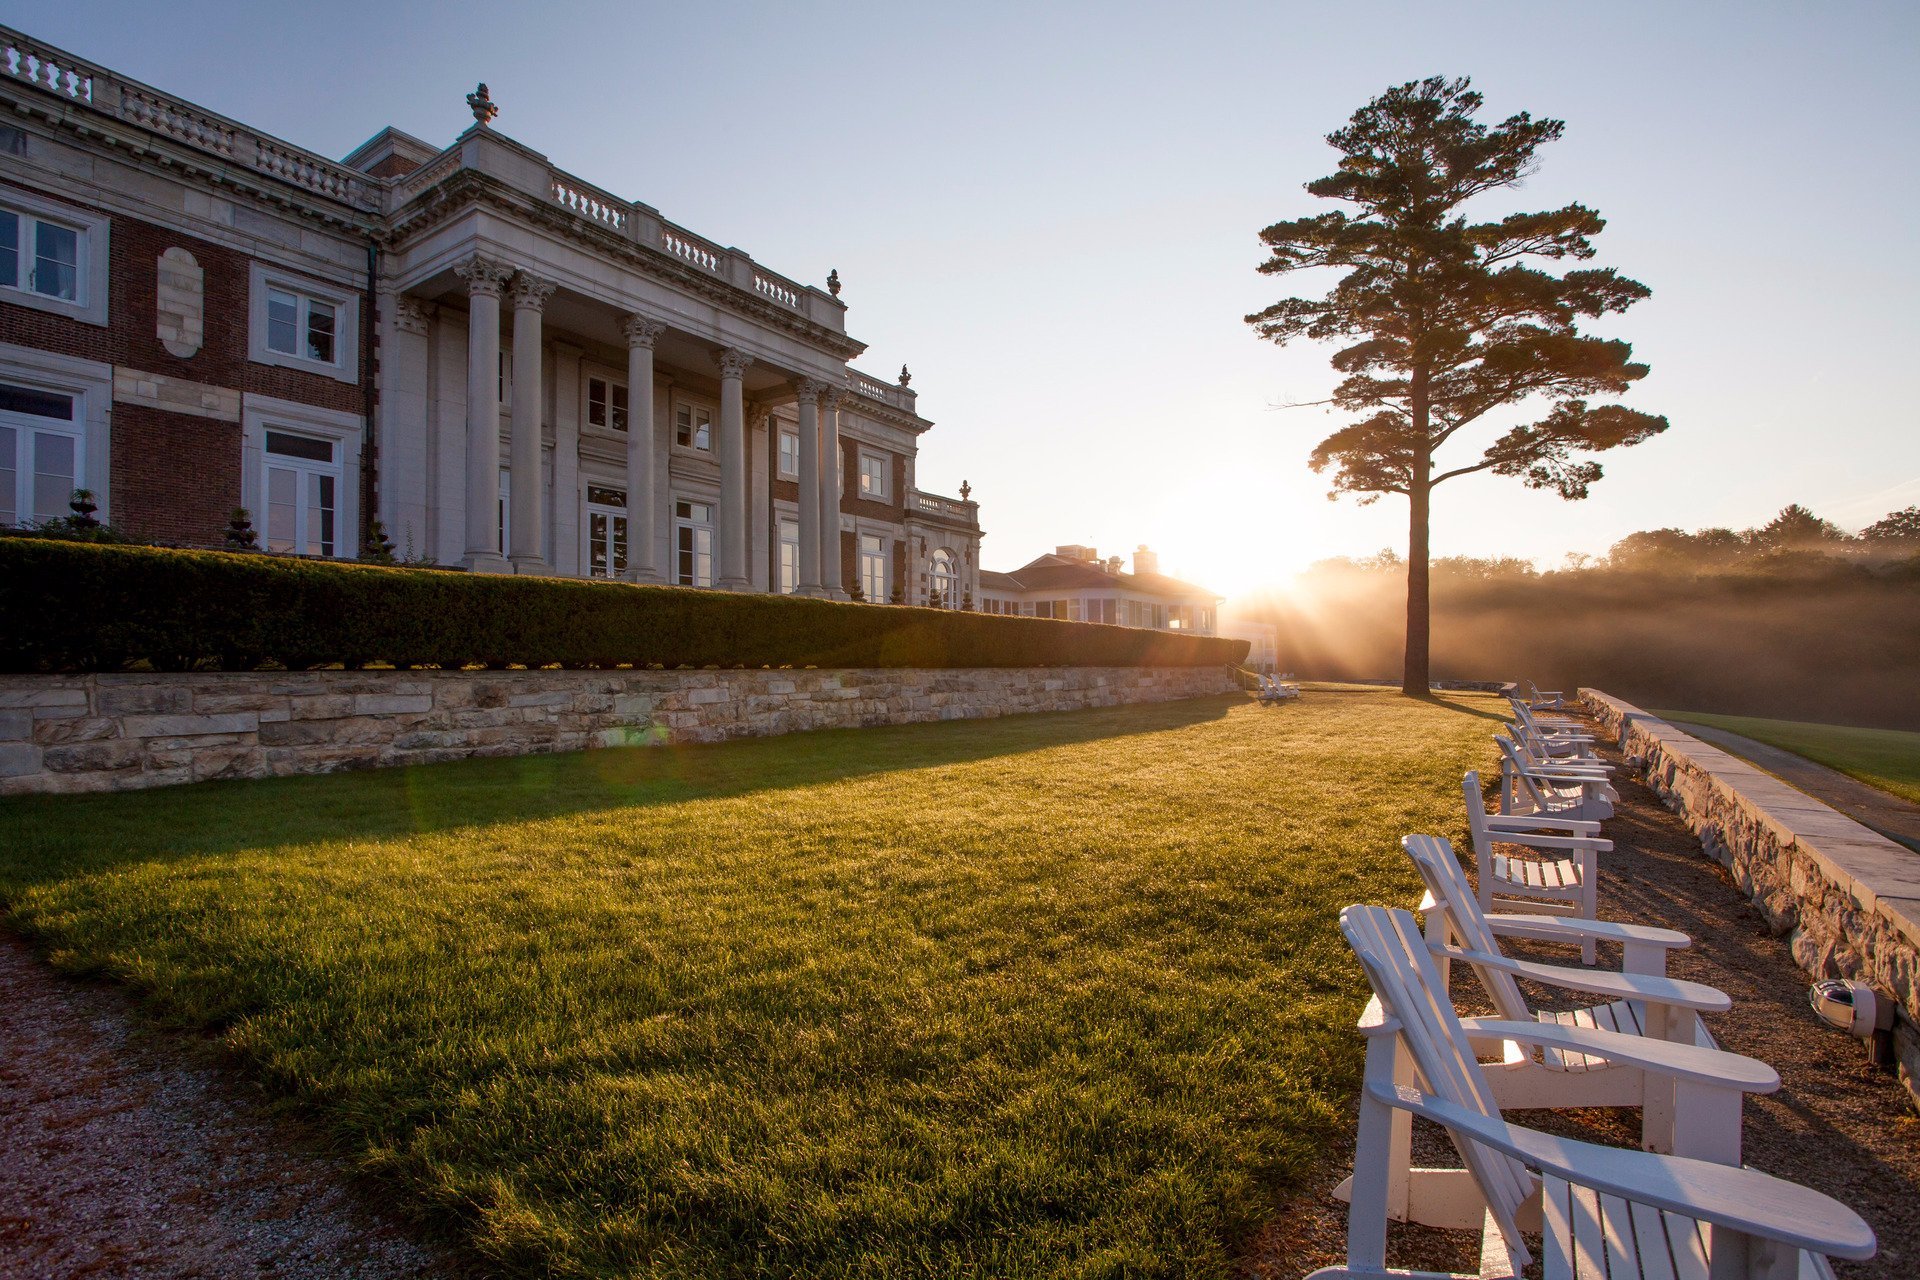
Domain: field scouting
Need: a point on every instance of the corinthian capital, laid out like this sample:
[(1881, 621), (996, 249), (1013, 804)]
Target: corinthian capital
[(411, 315), (640, 331), (806, 389), (530, 291), (733, 362), (830, 396), (485, 277)]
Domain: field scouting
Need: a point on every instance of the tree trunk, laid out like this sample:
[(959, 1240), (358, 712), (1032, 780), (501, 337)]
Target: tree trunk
[(1417, 668)]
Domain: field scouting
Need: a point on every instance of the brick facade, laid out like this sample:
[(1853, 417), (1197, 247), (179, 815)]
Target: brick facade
[(176, 477)]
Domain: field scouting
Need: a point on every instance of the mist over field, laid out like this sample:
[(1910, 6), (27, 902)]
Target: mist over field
[(1799, 638)]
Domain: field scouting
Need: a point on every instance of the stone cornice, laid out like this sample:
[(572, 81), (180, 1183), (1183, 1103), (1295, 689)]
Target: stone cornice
[(462, 188)]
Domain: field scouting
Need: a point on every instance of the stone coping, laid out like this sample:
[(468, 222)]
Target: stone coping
[(1849, 895), (1880, 873)]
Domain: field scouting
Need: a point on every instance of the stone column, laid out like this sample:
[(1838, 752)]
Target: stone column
[(405, 392), (485, 278), (733, 471), (529, 299), (641, 334), (830, 583), (563, 395), (808, 393)]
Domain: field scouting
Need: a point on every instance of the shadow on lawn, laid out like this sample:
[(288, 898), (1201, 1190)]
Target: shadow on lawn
[(63, 834)]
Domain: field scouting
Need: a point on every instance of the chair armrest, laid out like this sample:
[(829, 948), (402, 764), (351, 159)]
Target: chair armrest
[(1664, 1057), (1674, 992), (1569, 929), (1498, 822), (1744, 1200), (1534, 841)]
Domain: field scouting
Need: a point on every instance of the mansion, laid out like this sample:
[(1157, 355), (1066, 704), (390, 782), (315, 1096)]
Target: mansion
[(1074, 583), (510, 369)]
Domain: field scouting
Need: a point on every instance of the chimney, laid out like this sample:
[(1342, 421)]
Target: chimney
[(1145, 561)]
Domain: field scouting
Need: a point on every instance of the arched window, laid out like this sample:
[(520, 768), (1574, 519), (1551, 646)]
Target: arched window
[(946, 583)]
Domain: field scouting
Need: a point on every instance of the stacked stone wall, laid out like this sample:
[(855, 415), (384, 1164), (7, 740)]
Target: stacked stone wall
[(126, 731), (1846, 898)]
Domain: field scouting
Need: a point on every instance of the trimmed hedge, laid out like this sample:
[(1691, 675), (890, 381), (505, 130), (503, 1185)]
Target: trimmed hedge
[(68, 606)]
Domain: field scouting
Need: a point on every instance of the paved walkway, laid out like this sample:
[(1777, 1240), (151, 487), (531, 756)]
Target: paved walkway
[(1891, 816)]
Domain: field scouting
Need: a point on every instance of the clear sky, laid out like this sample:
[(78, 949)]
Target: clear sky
[(1050, 212)]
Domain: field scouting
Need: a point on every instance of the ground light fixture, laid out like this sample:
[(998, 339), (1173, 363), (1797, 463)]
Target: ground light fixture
[(1858, 1010)]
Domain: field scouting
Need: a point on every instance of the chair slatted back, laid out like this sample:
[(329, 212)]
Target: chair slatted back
[(1446, 880), (1393, 953), (1519, 767)]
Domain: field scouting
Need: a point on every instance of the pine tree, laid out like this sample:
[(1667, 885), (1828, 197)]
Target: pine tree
[(1443, 321)]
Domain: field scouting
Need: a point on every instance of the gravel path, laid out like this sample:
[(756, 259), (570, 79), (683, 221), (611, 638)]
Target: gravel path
[(1836, 1124), (126, 1151), (1891, 816)]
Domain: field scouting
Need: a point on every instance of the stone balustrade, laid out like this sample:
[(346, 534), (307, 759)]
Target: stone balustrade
[(1847, 898), (76, 81), (125, 731)]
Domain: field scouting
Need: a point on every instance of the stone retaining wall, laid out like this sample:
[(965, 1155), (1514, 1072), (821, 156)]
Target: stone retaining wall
[(120, 732), (1847, 897)]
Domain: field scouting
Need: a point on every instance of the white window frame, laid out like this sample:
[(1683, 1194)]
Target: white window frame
[(713, 426), (260, 414), (873, 584), (612, 513), (94, 256), (346, 334), (90, 382), (712, 550), (615, 388), (944, 587), (787, 561), (876, 483), (786, 459)]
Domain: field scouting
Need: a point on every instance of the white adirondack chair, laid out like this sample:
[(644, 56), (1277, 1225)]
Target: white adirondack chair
[(1603, 1213), (1273, 690), (1555, 874), (1556, 791), (1548, 700), (1646, 1003), (1566, 740)]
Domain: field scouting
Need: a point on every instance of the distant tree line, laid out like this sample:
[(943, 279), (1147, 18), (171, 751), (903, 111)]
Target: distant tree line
[(1796, 618), (1796, 541)]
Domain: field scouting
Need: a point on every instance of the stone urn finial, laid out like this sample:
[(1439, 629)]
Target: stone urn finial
[(905, 377), (482, 105), (833, 282), (966, 491)]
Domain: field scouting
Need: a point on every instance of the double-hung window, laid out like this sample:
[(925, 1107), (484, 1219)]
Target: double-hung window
[(606, 532), (875, 478), (873, 567), (693, 544), (42, 453), (606, 404), (302, 486), (789, 454)]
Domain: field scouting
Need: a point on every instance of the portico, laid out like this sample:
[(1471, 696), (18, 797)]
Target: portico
[(650, 405)]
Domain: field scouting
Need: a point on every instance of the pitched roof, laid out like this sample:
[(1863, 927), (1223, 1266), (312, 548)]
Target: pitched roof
[(1054, 573)]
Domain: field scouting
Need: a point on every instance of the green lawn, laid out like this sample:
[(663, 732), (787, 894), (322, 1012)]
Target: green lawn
[(1043, 996), (1885, 758)]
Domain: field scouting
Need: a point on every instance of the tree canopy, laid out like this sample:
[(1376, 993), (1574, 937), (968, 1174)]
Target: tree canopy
[(1442, 320)]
